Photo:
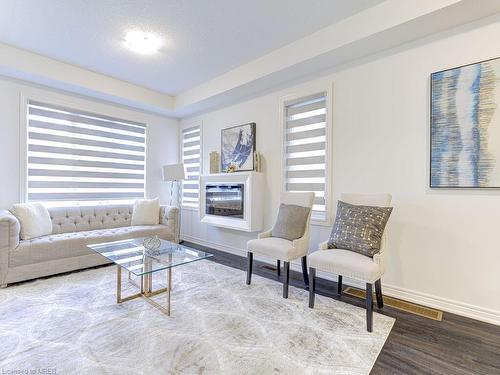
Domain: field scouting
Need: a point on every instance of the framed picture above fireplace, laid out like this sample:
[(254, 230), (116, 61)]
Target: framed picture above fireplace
[(237, 147)]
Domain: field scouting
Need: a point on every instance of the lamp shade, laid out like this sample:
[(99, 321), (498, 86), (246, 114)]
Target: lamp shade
[(174, 172)]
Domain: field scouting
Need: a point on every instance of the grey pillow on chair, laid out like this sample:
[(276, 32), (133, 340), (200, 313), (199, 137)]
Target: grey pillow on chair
[(359, 228), (291, 222)]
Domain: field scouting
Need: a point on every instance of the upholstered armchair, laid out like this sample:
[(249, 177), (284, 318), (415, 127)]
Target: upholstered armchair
[(280, 248), (351, 264)]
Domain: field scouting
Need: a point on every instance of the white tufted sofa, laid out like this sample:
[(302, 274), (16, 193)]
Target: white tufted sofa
[(73, 228)]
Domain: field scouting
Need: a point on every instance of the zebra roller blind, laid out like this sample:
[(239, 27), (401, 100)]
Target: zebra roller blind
[(305, 145), (79, 156), (191, 157)]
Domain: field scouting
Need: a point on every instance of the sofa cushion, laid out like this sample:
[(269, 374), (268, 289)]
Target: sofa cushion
[(146, 212), (34, 219), (65, 245)]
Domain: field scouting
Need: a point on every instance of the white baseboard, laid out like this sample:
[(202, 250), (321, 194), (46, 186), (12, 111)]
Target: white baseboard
[(445, 304), (424, 299)]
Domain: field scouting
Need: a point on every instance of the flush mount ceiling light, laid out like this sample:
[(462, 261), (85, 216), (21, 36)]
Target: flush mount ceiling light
[(142, 42)]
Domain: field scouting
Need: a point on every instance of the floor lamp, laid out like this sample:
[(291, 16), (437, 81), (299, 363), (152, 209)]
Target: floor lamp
[(175, 173)]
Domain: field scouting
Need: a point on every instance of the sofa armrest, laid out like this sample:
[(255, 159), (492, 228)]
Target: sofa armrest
[(10, 229), (169, 216)]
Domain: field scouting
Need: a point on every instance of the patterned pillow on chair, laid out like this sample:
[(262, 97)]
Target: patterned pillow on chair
[(359, 228)]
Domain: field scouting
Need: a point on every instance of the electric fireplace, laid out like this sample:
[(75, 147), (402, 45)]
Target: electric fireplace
[(232, 200), (225, 200)]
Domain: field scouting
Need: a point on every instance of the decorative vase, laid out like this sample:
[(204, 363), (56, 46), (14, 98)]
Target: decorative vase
[(257, 161), (214, 162)]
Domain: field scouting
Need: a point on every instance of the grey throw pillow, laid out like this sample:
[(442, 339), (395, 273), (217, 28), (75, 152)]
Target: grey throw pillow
[(359, 228), (291, 222)]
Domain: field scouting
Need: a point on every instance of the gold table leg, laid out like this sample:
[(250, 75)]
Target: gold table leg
[(146, 289), (169, 286), (119, 298), (119, 284)]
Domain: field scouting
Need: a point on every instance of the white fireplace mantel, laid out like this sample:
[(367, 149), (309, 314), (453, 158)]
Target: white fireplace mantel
[(252, 205)]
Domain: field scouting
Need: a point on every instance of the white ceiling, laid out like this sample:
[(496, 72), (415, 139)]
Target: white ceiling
[(205, 38)]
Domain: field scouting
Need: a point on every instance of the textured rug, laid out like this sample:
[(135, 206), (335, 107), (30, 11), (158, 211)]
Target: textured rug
[(71, 325)]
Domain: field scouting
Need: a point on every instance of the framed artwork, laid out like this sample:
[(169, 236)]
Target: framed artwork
[(237, 147), (465, 126)]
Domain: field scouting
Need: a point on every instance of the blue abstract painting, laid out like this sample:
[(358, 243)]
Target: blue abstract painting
[(465, 126), (238, 146)]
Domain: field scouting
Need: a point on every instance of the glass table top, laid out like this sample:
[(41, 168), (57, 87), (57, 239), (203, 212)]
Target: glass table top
[(131, 255)]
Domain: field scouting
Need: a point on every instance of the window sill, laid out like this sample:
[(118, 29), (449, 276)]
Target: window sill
[(318, 223), (189, 208)]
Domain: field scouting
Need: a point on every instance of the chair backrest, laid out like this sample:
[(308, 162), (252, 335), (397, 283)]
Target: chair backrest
[(299, 199), (305, 199)]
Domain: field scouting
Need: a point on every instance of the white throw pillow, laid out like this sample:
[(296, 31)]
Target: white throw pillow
[(146, 212), (34, 218)]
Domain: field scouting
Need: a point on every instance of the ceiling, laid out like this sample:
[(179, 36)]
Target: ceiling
[(204, 38)]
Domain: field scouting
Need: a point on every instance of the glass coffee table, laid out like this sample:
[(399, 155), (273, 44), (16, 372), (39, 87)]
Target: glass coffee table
[(131, 256)]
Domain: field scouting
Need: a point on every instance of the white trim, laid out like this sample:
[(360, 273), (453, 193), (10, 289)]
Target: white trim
[(148, 158), (81, 103), (329, 157), (451, 306), (23, 149), (445, 304), (198, 123), (190, 208), (329, 146)]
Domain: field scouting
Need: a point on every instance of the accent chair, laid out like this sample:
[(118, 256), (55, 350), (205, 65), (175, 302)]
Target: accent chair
[(351, 264), (283, 249)]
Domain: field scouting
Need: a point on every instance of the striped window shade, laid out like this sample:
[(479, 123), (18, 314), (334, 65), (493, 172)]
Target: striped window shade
[(79, 156), (191, 157), (305, 145)]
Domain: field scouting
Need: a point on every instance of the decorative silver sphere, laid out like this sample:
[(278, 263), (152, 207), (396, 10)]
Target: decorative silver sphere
[(151, 244)]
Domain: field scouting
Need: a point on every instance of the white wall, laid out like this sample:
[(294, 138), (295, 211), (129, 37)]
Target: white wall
[(443, 245), (162, 133)]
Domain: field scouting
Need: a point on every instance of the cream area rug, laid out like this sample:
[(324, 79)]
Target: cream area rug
[(71, 324)]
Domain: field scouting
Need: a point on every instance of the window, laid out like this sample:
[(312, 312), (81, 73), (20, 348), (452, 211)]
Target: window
[(305, 150), (191, 157), (78, 156)]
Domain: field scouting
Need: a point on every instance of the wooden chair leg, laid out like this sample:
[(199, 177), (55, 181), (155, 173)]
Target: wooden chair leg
[(249, 267), (312, 286), (339, 285), (369, 307), (286, 266), (304, 270), (378, 292), (278, 267)]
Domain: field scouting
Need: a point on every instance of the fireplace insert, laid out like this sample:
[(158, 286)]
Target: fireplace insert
[(225, 200)]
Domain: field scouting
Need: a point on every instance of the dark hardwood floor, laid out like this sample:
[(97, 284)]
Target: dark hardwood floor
[(416, 345)]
